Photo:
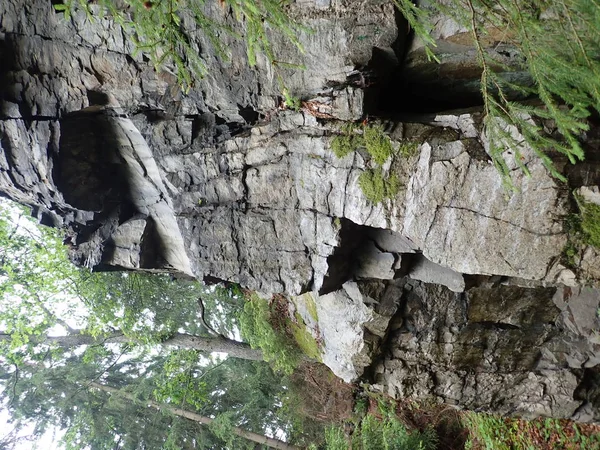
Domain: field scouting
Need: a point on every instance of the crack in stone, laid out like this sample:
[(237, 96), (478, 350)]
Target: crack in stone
[(501, 220)]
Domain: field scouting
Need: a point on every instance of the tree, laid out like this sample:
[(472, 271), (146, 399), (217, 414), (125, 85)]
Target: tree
[(254, 437), (63, 329), (154, 392), (559, 42), (40, 289)]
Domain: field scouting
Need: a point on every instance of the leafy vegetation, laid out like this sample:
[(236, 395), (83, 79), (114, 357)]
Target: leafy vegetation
[(377, 187), (163, 30), (256, 327), (87, 353), (380, 431), (375, 184), (490, 432), (559, 43)]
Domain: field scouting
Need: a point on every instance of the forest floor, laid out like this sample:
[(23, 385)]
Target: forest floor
[(332, 401)]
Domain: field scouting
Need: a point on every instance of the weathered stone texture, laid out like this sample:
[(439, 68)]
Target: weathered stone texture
[(223, 183)]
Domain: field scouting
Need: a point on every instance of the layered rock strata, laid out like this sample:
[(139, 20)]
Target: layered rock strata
[(224, 183)]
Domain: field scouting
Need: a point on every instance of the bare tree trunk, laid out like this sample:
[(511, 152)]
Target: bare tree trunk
[(254, 437), (233, 348)]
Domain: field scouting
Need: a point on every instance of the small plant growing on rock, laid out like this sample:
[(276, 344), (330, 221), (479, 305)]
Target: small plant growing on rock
[(590, 222), (346, 142), (374, 183), (377, 187), (582, 229), (377, 144)]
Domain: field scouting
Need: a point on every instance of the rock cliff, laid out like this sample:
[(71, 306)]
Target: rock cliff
[(461, 282)]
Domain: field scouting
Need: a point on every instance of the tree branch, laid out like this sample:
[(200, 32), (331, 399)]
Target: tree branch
[(254, 437), (210, 329)]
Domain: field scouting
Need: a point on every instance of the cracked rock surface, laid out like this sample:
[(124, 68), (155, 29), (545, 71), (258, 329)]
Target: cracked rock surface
[(456, 285)]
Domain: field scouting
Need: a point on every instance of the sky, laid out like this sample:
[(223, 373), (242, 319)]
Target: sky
[(50, 439)]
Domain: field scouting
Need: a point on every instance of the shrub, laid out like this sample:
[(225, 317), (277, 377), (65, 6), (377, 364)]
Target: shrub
[(335, 439), (380, 434)]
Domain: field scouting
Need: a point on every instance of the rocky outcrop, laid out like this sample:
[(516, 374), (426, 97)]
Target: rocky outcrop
[(225, 183), (529, 351)]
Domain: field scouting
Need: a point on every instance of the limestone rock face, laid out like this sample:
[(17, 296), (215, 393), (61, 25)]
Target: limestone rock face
[(454, 78), (348, 327), (224, 183), (529, 351)]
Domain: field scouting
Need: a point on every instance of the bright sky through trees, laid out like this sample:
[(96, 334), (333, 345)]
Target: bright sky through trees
[(82, 355)]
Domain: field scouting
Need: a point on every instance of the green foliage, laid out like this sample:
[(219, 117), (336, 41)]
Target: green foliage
[(419, 21), (491, 432), (290, 101), (387, 433), (590, 222), (35, 275), (144, 306), (256, 328), (48, 384), (376, 187), (361, 406), (377, 144), (374, 183), (222, 426), (163, 29), (390, 434), (180, 383), (561, 54), (335, 438)]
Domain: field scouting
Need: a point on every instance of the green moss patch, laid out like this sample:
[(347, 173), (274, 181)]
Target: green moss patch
[(590, 222), (376, 187), (377, 144), (346, 142), (374, 183), (304, 339), (311, 306)]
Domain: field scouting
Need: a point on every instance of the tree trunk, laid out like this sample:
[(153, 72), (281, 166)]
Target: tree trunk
[(233, 348), (254, 437)]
